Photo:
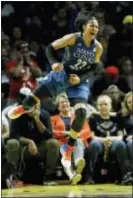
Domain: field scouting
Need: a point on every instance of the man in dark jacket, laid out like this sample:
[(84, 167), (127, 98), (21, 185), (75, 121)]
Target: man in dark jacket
[(34, 132)]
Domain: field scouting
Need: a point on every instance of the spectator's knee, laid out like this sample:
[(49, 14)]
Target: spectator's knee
[(129, 143), (53, 143), (96, 144), (120, 144), (13, 144)]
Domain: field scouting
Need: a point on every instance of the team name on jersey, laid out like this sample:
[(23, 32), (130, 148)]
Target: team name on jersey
[(88, 56)]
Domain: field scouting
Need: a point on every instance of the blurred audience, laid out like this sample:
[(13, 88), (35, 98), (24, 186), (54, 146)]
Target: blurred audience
[(117, 97), (122, 41), (111, 76), (125, 65), (126, 120), (22, 72)]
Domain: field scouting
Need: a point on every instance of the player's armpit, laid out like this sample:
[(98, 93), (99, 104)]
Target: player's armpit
[(99, 52), (67, 40)]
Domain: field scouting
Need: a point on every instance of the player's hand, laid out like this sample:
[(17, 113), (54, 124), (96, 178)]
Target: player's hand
[(74, 79), (57, 67), (33, 148)]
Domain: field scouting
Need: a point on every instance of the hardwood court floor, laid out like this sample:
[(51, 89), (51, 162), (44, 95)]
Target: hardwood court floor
[(106, 190)]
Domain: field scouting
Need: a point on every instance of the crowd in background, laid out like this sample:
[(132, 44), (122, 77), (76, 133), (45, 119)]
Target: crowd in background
[(27, 28)]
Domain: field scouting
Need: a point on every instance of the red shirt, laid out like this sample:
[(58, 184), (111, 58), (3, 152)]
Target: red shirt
[(25, 80)]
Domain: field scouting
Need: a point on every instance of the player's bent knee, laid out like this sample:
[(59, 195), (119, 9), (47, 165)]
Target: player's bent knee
[(81, 112), (79, 105)]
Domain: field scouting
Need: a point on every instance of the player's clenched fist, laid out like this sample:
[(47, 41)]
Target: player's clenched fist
[(74, 79), (57, 67)]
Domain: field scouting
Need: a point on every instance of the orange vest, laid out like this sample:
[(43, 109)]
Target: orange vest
[(58, 127)]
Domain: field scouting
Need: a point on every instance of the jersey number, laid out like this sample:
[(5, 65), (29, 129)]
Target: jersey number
[(79, 65)]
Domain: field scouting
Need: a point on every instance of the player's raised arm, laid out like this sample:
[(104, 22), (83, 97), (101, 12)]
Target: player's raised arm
[(51, 51)]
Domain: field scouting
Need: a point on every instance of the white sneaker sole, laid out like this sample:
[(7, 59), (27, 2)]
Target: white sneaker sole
[(80, 166), (76, 179)]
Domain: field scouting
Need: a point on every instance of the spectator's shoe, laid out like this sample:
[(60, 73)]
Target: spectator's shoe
[(13, 182), (17, 111), (80, 164), (89, 181), (76, 179), (48, 180), (50, 183), (66, 152), (127, 179)]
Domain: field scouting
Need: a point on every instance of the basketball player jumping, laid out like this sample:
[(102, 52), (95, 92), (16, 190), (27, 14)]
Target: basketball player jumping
[(81, 59)]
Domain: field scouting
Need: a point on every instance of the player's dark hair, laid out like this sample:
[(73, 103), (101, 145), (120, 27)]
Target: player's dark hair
[(82, 19)]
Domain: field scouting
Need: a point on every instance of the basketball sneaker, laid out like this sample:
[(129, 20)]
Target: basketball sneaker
[(80, 164), (17, 111)]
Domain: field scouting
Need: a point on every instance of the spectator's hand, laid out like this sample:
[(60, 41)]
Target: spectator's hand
[(19, 69), (33, 148), (36, 112), (27, 60), (107, 142), (74, 79), (57, 67)]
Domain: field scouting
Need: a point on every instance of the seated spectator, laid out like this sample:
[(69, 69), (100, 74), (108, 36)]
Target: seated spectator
[(22, 72), (110, 77), (5, 43), (125, 66), (106, 32), (10, 154), (107, 139), (126, 120), (117, 97), (61, 124), (34, 131), (5, 131), (5, 128), (16, 35), (10, 146), (120, 43), (4, 58)]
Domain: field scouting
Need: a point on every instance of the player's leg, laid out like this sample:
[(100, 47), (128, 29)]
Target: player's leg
[(79, 162), (67, 149), (51, 85), (78, 156)]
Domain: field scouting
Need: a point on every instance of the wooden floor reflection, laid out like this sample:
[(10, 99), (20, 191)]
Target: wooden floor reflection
[(106, 190)]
